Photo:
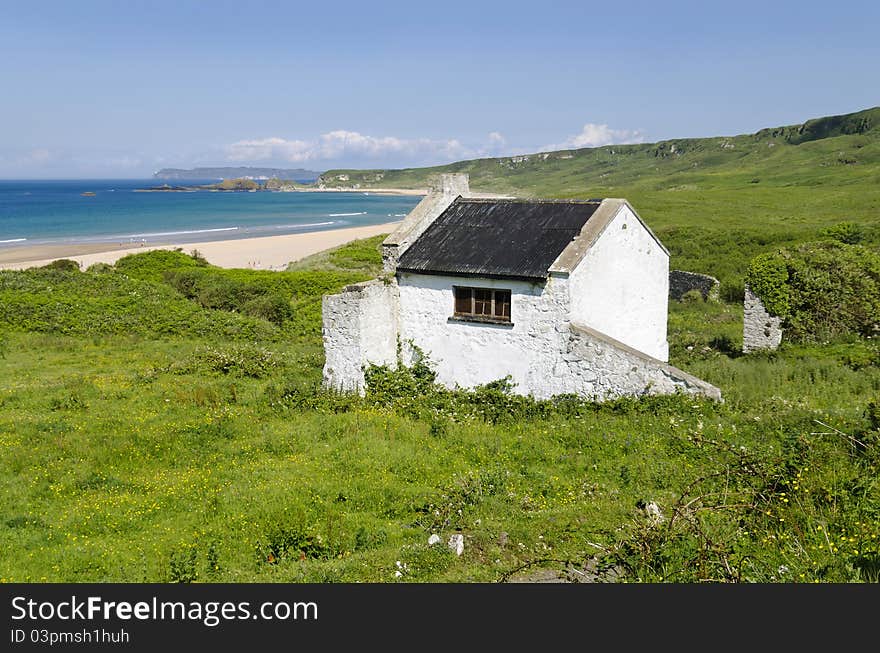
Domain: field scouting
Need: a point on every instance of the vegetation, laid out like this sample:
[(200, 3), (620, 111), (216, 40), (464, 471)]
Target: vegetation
[(821, 290), (153, 430), (162, 419)]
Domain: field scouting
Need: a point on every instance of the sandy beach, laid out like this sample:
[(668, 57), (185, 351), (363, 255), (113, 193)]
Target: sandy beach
[(368, 191), (264, 253)]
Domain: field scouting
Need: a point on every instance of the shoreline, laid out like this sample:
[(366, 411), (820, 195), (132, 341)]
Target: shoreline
[(259, 253), (362, 191), (372, 191)]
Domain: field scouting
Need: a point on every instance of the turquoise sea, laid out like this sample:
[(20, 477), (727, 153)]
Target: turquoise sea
[(57, 212)]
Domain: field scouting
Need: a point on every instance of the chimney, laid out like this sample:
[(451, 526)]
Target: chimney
[(452, 183)]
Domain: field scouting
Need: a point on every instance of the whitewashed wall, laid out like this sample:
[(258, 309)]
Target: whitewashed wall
[(621, 287), (599, 332), (542, 351), (473, 353), (359, 327)]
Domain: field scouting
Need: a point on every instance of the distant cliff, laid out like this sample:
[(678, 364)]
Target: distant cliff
[(298, 174)]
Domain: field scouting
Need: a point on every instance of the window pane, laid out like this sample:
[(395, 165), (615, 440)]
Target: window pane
[(502, 304), (482, 302), (463, 300)]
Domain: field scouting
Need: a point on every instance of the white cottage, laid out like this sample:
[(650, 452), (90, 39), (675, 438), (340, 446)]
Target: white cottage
[(562, 296)]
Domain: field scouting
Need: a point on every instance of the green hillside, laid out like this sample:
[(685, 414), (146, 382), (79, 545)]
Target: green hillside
[(715, 202)]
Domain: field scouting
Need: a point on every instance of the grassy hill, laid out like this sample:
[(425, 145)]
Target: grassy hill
[(715, 202)]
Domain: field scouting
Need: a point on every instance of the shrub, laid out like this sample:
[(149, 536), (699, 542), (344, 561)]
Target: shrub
[(150, 266), (272, 307), (767, 276), (74, 303), (821, 290), (844, 232), (692, 296), (282, 541), (100, 268), (278, 297), (63, 265)]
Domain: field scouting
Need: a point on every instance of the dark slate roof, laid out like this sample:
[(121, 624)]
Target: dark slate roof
[(517, 239)]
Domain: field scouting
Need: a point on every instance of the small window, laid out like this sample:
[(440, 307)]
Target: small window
[(482, 304)]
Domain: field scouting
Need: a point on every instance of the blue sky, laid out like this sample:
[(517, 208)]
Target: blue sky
[(120, 89)]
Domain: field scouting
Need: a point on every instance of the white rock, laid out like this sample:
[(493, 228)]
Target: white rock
[(654, 513), (456, 543), (434, 539)]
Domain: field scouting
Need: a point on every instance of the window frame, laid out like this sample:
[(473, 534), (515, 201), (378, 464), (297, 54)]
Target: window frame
[(498, 299)]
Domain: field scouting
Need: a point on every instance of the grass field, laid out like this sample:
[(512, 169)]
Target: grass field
[(161, 421)]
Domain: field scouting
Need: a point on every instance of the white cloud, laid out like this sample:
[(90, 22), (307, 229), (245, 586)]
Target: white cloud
[(351, 146), (341, 144), (497, 140), (344, 148), (593, 135), (268, 148)]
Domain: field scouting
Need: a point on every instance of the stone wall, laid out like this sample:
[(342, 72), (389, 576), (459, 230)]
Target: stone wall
[(596, 366), (359, 327), (761, 331), (681, 282)]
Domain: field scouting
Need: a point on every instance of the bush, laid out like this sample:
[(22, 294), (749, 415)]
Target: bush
[(150, 266), (274, 296), (692, 296), (74, 303), (821, 290), (844, 232), (100, 268), (767, 276), (63, 265)]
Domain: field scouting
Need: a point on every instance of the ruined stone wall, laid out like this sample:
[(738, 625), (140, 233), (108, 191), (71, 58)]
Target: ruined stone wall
[(681, 282), (594, 365), (760, 329), (359, 327)]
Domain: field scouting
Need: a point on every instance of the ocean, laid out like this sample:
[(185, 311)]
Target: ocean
[(57, 212)]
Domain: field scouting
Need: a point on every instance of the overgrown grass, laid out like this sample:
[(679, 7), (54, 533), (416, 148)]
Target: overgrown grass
[(196, 457)]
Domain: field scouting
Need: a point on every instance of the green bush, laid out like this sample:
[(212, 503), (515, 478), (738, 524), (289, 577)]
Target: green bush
[(76, 303), (821, 290), (150, 266), (62, 265), (767, 276), (278, 297), (845, 232)]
